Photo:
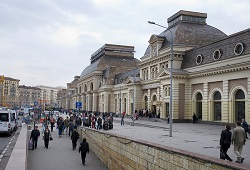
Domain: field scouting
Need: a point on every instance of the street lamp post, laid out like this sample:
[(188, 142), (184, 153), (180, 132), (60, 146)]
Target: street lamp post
[(133, 100), (120, 101), (171, 77)]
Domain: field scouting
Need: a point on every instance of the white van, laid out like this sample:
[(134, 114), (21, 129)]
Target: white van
[(6, 125)]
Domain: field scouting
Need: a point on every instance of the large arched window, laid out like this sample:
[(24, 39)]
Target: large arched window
[(239, 105), (199, 106), (217, 106)]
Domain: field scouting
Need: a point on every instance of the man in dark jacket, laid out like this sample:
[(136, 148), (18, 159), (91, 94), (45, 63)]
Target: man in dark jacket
[(84, 148), (74, 138), (35, 133), (244, 125), (60, 124), (225, 141)]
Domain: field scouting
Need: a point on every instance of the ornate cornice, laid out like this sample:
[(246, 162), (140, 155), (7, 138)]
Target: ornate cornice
[(218, 72)]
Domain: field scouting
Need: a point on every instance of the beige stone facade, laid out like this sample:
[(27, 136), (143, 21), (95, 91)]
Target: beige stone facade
[(9, 91), (210, 74)]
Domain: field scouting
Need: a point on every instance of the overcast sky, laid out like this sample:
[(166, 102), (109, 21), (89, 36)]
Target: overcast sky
[(48, 42)]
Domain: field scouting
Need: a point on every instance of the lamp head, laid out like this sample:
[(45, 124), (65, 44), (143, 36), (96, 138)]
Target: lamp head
[(150, 22)]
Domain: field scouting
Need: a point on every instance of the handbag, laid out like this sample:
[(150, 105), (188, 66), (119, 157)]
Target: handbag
[(222, 154), (50, 138), (30, 144)]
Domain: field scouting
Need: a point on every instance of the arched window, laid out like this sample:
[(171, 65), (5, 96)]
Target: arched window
[(80, 89), (239, 105), (154, 98), (85, 88), (217, 106), (91, 86), (199, 106)]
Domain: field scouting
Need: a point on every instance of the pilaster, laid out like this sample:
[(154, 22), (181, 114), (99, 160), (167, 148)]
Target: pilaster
[(188, 101), (149, 99), (225, 112), (206, 115)]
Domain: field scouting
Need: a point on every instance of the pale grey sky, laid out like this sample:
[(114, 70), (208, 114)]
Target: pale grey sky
[(48, 42)]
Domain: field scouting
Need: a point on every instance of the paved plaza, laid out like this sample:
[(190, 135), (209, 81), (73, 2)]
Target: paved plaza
[(196, 138)]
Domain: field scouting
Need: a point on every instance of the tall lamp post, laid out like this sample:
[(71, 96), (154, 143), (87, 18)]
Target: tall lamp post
[(171, 78), (133, 109), (120, 101)]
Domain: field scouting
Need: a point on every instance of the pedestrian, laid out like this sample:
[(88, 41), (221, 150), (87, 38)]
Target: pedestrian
[(238, 139), (84, 148), (71, 127), (66, 124), (225, 141), (99, 123), (244, 125), (93, 122), (46, 137), (52, 123), (194, 118), (60, 125), (35, 133), (74, 137), (122, 120)]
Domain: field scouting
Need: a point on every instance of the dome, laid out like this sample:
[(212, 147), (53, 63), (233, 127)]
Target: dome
[(190, 34), (121, 63)]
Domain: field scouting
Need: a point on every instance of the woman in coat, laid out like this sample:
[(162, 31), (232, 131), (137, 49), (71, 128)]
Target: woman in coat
[(225, 141), (46, 137)]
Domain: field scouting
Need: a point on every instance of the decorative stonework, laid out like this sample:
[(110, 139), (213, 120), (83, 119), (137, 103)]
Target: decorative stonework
[(219, 72), (151, 86)]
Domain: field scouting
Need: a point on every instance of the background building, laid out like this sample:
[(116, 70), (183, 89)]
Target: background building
[(29, 96), (49, 96), (9, 91)]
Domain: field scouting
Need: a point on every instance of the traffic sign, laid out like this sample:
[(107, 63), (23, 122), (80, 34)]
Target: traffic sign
[(35, 103), (78, 105)]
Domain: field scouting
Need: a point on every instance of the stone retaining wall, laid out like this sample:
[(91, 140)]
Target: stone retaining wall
[(118, 152), (18, 158)]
